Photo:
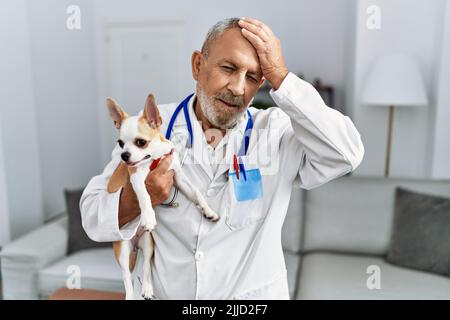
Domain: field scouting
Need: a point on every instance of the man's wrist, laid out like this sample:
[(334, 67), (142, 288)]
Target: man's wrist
[(277, 78), (127, 206)]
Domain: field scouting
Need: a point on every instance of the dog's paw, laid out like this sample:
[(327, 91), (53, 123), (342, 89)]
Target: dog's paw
[(147, 293), (148, 222), (210, 214), (149, 226)]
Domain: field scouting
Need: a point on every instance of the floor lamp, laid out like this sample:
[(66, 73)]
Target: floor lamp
[(394, 81)]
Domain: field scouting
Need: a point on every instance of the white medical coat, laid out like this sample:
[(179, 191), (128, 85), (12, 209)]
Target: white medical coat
[(303, 143)]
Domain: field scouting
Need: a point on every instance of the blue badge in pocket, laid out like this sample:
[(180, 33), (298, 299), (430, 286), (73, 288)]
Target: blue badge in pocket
[(247, 187)]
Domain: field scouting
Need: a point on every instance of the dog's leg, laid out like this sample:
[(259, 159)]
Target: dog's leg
[(193, 194), (122, 251), (146, 244), (137, 179)]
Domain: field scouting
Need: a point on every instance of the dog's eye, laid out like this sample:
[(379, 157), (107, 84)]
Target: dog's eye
[(121, 143), (140, 142)]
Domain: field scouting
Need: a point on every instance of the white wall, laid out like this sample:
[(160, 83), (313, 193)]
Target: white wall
[(441, 146), (65, 98), (18, 121), (314, 35), (413, 27), (4, 208), (317, 39)]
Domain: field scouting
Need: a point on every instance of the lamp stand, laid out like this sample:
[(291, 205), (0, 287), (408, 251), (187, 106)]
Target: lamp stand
[(389, 141)]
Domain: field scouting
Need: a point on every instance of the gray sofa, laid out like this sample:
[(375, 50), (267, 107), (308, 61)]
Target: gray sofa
[(331, 236)]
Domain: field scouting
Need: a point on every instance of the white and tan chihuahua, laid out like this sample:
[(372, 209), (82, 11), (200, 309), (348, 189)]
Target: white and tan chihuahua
[(142, 143)]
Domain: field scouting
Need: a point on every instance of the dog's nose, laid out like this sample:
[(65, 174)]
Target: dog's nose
[(126, 156)]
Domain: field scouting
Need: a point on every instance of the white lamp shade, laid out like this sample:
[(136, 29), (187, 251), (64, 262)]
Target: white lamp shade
[(395, 79)]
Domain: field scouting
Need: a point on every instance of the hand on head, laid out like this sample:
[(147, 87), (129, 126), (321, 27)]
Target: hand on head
[(268, 48)]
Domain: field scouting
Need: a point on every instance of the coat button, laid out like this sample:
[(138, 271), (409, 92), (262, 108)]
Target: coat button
[(198, 255)]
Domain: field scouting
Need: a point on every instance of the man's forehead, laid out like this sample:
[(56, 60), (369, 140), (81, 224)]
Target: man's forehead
[(233, 48)]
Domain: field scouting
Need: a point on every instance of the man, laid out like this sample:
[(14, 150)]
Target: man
[(301, 142)]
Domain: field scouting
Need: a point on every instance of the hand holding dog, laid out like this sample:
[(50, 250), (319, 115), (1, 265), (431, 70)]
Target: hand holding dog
[(158, 183)]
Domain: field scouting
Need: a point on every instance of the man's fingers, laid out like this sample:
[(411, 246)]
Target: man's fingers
[(260, 32), (254, 39), (164, 164), (170, 173), (259, 24)]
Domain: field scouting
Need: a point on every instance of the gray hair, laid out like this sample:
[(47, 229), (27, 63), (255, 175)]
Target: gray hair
[(216, 31)]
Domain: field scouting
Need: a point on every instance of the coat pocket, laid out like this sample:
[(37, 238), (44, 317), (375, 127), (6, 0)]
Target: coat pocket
[(243, 214), (277, 289), (244, 197)]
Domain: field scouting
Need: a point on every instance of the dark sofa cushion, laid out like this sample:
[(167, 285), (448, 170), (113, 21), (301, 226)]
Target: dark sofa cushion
[(78, 239), (421, 232)]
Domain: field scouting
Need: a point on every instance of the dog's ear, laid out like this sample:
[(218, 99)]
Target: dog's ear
[(116, 112), (151, 112)]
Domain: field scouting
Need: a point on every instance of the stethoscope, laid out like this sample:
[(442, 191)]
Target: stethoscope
[(184, 106)]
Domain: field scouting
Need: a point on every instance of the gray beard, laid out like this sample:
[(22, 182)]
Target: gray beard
[(216, 119)]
